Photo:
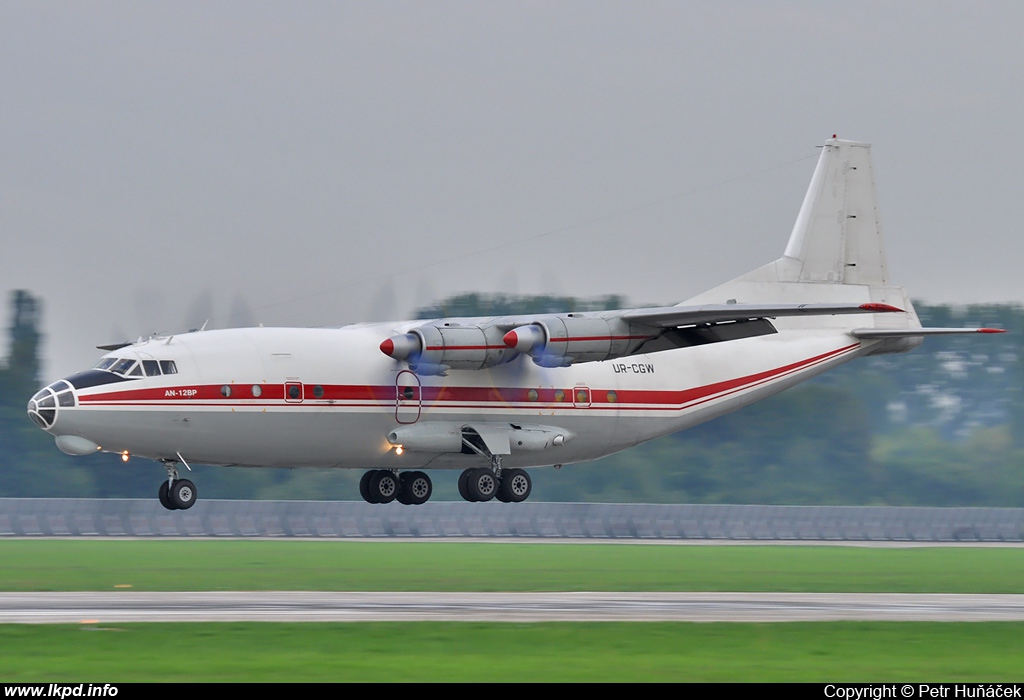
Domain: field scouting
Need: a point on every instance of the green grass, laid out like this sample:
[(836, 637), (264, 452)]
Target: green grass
[(422, 651), (592, 652), (182, 565)]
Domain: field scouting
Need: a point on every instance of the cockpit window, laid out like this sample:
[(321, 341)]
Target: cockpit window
[(130, 368), (122, 367)]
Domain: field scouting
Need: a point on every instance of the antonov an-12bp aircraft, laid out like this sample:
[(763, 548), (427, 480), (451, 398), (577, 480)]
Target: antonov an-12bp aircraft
[(492, 396)]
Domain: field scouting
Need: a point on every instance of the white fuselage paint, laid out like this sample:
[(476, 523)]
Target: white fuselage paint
[(350, 397)]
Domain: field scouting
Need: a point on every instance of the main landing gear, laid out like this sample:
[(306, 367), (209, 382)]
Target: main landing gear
[(483, 484), (175, 493), (384, 486), (476, 484)]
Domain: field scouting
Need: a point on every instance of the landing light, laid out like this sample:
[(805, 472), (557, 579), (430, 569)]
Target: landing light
[(399, 449), (125, 456)]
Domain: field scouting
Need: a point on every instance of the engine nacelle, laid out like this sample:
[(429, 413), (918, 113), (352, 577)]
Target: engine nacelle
[(433, 349), (559, 342)]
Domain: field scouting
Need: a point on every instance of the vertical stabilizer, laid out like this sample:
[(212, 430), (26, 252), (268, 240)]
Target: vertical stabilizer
[(835, 252), (837, 237)]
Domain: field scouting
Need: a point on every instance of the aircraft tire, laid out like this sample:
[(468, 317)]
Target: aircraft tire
[(515, 487), (383, 486), (165, 497), (482, 484), (463, 485), (183, 494), (415, 488), (364, 486)]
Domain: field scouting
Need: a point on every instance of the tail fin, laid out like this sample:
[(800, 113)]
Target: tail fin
[(835, 251), (837, 238)]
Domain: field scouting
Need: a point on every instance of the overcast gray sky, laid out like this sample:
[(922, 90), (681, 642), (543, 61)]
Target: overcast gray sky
[(318, 163)]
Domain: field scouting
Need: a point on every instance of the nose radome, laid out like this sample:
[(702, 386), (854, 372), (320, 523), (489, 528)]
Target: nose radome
[(42, 408), (45, 404)]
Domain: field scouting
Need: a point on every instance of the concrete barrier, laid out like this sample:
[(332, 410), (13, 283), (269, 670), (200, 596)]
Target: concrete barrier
[(52, 517)]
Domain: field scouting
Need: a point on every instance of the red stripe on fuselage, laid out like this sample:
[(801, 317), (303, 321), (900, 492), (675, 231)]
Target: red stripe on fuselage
[(451, 396)]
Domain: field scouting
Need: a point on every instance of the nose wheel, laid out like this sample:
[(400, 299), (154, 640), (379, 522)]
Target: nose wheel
[(179, 494), (175, 493)]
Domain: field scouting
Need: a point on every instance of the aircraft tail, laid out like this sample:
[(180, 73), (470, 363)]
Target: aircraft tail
[(837, 238), (835, 251)]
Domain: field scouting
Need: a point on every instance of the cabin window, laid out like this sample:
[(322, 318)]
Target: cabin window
[(293, 391), (256, 391), (533, 394), (225, 391), (318, 392), (612, 397), (559, 395)]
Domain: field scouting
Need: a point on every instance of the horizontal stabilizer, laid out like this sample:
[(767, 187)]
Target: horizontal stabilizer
[(872, 333), (670, 316)]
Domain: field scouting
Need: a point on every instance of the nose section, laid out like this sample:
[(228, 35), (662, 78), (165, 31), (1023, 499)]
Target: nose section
[(44, 407)]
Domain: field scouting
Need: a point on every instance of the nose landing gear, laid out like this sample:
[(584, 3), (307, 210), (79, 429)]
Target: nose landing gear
[(175, 493)]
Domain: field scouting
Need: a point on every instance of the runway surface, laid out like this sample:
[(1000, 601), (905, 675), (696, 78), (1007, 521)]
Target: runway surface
[(299, 606)]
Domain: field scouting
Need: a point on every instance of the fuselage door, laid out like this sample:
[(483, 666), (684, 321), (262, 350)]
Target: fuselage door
[(409, 397)]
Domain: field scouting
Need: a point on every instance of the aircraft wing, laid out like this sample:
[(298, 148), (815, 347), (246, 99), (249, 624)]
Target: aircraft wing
[(675, 316), (560, 340)]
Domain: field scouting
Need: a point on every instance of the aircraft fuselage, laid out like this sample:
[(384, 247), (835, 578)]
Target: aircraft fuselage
[(273, 397)]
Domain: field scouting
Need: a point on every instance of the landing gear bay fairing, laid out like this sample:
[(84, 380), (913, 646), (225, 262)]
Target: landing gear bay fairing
[(490, 397)]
